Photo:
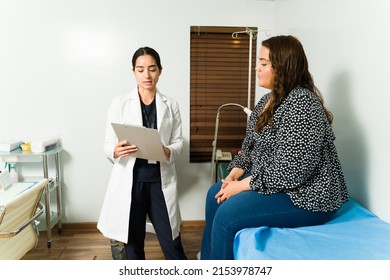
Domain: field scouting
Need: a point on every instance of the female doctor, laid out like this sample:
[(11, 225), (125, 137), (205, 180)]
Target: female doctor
[(139, 187)]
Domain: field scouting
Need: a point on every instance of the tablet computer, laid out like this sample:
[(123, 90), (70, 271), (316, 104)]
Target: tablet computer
[(146, 139)]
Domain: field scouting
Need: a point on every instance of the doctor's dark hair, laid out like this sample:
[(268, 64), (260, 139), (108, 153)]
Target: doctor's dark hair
[(147, 51), (291, 69)]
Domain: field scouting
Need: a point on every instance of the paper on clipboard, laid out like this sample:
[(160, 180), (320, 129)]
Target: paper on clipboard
[(146, 139)]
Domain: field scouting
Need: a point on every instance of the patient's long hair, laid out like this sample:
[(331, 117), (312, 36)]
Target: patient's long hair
[(291, 70)]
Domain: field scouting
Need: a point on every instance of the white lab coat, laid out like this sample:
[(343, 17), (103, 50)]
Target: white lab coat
[(115, 214)]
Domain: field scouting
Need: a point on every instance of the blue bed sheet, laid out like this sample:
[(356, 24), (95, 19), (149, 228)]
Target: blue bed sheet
[(354, 234)]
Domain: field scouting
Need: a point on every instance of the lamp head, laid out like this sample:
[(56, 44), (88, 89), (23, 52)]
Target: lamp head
[(247, 111)]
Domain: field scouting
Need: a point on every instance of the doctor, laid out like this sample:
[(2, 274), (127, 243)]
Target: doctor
[(139, 187)]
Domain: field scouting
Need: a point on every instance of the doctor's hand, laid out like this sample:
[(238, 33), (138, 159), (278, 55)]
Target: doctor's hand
[(167, 151), (123, 149)]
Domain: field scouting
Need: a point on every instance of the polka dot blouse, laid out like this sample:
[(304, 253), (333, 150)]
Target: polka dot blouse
[(297, 157)]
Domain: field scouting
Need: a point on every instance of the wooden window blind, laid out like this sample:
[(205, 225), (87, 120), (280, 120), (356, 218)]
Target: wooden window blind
[(218, 75)]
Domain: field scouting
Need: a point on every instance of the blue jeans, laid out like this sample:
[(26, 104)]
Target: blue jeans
[(249, 209)]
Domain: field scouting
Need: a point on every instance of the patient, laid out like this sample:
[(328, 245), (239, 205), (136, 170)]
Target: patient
[(288, 173)]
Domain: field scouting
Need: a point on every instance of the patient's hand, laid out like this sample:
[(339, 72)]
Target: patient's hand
[(231, 188)]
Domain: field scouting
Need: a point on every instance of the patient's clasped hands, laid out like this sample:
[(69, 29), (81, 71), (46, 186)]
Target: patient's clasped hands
[(231, 187)]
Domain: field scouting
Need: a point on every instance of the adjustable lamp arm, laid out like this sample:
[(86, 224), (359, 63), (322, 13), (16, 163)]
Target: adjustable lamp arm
[(247, 111)]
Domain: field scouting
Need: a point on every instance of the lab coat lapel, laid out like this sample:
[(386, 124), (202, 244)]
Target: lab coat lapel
[(132, 110), (161, 109)]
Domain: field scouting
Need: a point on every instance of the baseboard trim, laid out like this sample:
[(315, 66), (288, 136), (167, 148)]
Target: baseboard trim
[(88, 226), (196, 224)]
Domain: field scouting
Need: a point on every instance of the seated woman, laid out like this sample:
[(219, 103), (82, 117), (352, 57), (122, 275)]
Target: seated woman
[(288, 173)]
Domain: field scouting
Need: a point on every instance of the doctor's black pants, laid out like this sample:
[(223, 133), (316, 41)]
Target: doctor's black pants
[(148, 199)]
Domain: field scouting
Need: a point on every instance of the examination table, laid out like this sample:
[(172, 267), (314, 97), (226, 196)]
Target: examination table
[(353, 234)]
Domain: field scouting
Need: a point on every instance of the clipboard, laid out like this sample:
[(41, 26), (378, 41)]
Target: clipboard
[(146, 139)]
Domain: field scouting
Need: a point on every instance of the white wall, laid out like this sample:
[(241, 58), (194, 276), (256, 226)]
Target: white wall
[(62, 61), (347, 45)]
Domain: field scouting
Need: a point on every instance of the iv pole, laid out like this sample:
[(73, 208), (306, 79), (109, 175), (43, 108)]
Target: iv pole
[(252, 35)]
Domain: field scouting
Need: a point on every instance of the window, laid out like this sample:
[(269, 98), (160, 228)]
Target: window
[(219, 75)]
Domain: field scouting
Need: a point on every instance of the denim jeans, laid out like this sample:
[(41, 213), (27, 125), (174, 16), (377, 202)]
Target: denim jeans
[(249, 209)]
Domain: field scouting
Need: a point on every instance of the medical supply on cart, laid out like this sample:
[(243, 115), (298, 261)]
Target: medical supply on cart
[(45, 145), (14, 175), (5, 179)]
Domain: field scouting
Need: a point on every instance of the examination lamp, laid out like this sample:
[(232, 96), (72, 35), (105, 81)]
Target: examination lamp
[(213, 167)]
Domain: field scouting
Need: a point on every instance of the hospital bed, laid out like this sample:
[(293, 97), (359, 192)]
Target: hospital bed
[(20, 206), (354, 234)]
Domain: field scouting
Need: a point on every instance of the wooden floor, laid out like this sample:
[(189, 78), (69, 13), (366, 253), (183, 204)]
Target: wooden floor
[(87, 243)]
